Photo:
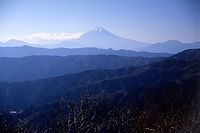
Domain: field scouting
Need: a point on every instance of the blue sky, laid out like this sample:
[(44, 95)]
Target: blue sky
[(142, 20)]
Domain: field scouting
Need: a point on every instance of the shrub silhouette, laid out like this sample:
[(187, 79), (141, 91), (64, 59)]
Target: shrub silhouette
[(92, 114)]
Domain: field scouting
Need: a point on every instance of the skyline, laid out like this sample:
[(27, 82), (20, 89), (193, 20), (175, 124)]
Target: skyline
[(137, 20)]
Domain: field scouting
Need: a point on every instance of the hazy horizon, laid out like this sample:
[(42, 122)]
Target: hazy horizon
[(145, 21), (48, 38)]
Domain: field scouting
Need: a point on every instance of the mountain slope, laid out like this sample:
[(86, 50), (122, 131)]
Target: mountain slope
[(37, 67), (100, 82), (13, 43), (101, 38), (29, 51), (188, 55), (171, 46)]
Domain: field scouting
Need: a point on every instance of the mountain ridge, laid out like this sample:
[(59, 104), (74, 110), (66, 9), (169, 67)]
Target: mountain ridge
[(25, 50), (101, 81), (36, 67), (171, 46), (101, 38)]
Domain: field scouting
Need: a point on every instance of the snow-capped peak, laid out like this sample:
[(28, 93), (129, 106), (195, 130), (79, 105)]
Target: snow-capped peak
[(98, 29)]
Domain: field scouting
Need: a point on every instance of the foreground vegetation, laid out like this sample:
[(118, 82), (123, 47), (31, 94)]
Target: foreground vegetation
[(92, 114)]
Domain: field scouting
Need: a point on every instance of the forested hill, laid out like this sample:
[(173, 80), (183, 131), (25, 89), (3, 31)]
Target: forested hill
[(38, 67), (22, 94)]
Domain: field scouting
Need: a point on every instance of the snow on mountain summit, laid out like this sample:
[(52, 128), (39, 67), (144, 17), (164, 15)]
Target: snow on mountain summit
[(98, 29), (101, 38)]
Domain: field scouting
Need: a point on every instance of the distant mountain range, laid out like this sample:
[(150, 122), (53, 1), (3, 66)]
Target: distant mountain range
[(25, 50), (37, 67), (171, 46), (101, 38)]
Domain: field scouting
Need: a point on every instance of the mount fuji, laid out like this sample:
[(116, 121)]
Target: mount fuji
[(101, 38)]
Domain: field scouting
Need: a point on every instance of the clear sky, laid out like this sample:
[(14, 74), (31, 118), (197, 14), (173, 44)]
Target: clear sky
[(142, 20)]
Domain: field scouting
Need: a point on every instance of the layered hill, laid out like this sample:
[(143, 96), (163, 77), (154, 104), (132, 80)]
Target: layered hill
[(37, 67), (171, 46), (27, 50), (180, 73)]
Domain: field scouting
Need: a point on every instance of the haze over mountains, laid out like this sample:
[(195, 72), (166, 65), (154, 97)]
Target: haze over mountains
[(174, 70), (171, 46), (25, 50), (36, 82), (60, 74), (37, 67), (55, 81), (101, 38)]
